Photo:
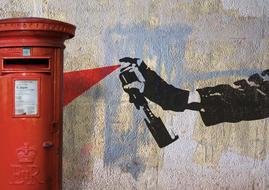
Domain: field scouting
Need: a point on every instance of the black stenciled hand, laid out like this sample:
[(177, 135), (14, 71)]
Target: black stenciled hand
[(133, 83)]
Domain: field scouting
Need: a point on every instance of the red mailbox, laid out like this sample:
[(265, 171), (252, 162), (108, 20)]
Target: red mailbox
[(31, 99)]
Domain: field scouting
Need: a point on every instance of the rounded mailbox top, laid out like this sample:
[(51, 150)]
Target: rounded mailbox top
[(42, 24), (31, 29)]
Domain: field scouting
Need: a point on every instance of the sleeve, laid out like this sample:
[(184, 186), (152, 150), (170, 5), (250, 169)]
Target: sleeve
[(248, 101), (163, 94)]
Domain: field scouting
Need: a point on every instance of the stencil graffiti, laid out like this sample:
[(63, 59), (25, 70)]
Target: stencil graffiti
[(249, 100)]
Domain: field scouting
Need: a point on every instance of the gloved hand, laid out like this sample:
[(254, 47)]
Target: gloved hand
[(129, 69), (138, 80)]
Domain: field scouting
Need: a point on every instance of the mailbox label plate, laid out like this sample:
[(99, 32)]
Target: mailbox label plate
[(26, 97), (26, 51)]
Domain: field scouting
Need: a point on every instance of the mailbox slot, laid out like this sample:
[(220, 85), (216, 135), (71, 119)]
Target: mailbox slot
[(26, 65)]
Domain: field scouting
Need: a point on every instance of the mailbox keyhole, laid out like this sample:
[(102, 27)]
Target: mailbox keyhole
[(47, 144)]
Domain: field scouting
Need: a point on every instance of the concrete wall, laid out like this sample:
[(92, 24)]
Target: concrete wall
[(191, 44)]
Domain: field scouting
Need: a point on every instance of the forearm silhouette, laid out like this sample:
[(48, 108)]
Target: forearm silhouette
[(248, 100)]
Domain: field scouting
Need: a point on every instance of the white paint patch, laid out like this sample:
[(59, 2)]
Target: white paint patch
[(38, 10), (254, 8)]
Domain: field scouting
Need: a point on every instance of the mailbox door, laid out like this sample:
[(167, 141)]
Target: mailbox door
[(26, 123)]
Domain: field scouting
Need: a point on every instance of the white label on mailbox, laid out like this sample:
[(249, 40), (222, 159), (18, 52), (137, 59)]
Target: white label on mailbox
[(26, 97)]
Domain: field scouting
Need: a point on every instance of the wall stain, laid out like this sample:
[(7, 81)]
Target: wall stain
[(80, 136)]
